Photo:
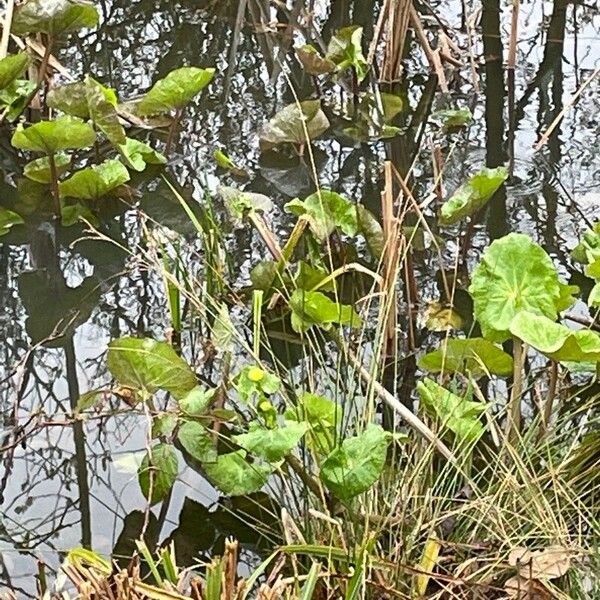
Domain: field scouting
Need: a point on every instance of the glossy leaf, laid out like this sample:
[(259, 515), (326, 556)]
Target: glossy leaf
[(197, 442), (70, 98), (12, 67), (294, 123), (8, 219), (314, 308), (15, 98), (473, 195), (50, 137), (475, 356), (312, 62), (235, 476), (102, 104), (459, 415), (357, 464), (326, 211), (345, 51), (514, 274), (139, 154), (555, 340), (272, 445), (197, 401), (94, 182), (39, 169), (146, 364), (175, 91), (53, 16), (158, 472)]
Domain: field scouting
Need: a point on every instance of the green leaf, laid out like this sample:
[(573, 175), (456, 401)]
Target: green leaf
[(345, 51), (158, 471), (73, 213), (370, 228), (459, 415), (253, 380), (70, 98), (514, 274), (102, 104), (197, 442), (566, 298), (139, 154), (555, 340), (39, 169), (15, 98), (323, 416), (312, 62), (89, 400), (473, 195), (294, 123), (453, 118), (235, 476), (308, 277), (325, 211), (314, 308), (50, 137), (225, 162), (588, 249), (272, 445), (163, 424), (594, 297), (357, 464), (8, 219), (146, 364), (370, 121), (94, 182), (53, 17), (197, 401), (475, 356), (175, 91), (12, 67), (223, 330), (240, 203)]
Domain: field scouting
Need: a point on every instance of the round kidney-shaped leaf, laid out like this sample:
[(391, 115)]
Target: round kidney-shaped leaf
[(514, 274), (50, 137), (271, 444), (39, 169), (175, 91), (235, 476), (53, 16), (94, 182)]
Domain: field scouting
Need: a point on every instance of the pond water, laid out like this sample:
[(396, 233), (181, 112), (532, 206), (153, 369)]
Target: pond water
[(64, 483)]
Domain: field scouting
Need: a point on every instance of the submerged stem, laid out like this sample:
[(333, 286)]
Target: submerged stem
[(55, 190), (513, 422)]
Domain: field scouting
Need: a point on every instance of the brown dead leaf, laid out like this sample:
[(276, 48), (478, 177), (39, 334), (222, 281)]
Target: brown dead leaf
[(550, 563)]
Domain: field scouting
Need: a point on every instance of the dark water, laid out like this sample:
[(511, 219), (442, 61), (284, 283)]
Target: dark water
[(66, 484)]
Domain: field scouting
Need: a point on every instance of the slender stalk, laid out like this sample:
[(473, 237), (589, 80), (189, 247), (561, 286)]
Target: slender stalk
[(45, 61), (173, 130), (513, 422), (549, 406), (55, 191)]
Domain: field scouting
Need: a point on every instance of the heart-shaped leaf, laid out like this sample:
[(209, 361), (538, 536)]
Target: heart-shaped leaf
[(345, 51), (158, 472), (39, 169), (197, 442), (53, 16), (555, 340), (476, 356), (12, 67), (8, 219), (314, 308), (473, 195), (94, 182), (143, 363), (139, 154), (272, 445), (197, 402), (357, 464), (50, 137), (459, 415), (325, 211), (295, 125), (70, 98), (514, 274), (175, 91), (235, 476), (102, 103)]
